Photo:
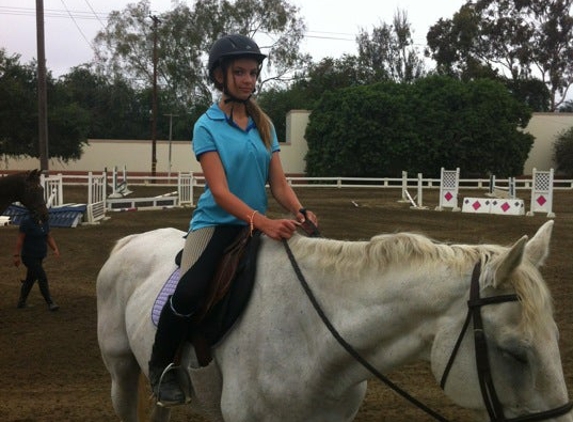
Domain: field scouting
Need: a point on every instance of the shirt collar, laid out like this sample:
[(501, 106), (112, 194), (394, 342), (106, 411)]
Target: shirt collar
[(215, 113)]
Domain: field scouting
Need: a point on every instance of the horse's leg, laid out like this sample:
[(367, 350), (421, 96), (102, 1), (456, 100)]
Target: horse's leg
[(125, 374)]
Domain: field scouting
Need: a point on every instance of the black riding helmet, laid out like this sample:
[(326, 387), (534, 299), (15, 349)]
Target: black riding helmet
[(232, 46)]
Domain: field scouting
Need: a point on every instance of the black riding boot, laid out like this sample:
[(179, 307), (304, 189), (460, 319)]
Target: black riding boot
[(171, 331)]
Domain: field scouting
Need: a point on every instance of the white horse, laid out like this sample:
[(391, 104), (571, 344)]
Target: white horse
[(396, 298)]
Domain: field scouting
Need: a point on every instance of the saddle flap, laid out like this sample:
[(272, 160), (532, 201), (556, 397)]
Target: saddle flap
[(225, 273)]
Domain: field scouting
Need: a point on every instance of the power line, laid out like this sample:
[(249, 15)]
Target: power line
[(333, 36), (101, 17), (52, 13), (77, 26), (94, 13)]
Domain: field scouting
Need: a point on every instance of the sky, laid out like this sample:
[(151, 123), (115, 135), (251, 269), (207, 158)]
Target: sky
[(332, 25)]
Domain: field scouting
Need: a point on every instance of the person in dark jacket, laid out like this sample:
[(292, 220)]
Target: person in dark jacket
[(32, 243)]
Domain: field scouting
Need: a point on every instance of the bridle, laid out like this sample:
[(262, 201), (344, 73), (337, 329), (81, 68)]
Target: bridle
[(489, 395), (492, 403)]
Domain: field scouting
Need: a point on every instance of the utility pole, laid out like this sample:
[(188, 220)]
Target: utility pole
[(171, 116), (156, 22), (42, 94)]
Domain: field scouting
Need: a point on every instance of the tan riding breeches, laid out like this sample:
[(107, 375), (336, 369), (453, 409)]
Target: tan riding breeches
[(195, 244)]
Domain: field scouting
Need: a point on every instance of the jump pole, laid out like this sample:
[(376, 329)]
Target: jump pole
[(502, 193), (405, 195), (420, 204), (119, 189)]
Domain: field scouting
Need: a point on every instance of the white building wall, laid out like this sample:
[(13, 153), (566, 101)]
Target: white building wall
[(136, 155), (294, 150), (545, 127), (100, 154)]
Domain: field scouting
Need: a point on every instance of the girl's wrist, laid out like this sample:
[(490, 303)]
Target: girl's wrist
[(252, 221)]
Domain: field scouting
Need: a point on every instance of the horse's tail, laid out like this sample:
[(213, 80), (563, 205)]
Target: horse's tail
[(121, 243), (142, 403)]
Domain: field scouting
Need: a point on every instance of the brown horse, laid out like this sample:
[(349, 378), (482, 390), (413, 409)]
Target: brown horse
[(25, 188)]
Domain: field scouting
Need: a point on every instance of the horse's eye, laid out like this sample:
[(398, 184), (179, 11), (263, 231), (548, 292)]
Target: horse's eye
[(518, 355)]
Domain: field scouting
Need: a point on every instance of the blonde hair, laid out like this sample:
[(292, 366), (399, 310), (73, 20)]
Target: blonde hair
[(262, 121)]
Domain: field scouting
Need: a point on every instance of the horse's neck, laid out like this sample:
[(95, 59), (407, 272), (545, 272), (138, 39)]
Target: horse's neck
[(391, 316), (7, 193), (3, 205)]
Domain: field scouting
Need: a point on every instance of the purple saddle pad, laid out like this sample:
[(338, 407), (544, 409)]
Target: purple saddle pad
[(166, 291)]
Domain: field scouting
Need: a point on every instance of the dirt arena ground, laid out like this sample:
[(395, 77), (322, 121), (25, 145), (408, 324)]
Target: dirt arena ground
[(50, 366)]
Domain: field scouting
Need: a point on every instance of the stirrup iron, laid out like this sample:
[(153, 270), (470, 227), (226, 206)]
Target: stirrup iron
[(184, 381)]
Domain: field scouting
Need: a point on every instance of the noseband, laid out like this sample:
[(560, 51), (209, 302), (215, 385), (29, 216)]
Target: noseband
[(489, 395)]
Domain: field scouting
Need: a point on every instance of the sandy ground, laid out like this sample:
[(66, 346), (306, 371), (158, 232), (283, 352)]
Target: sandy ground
[(50, 365)]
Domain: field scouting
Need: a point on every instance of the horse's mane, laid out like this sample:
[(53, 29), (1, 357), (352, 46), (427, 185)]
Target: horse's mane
[(413, 249), (535, 299), (385, 250), (23, 174), (9, 178)]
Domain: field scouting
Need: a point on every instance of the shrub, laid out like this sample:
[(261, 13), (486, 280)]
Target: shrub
[(563, 152)]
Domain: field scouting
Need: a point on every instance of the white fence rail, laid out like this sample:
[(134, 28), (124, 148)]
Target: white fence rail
[(338, 182)]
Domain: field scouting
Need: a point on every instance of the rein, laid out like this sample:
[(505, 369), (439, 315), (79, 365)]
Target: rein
[(314, 232), (492, 403)]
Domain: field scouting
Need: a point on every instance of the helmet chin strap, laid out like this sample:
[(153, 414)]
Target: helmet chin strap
[(232, 99)]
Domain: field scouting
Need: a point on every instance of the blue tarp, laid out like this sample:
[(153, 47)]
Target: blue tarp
[(64, 216)]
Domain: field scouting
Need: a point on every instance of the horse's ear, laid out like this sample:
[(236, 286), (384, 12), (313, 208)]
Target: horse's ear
[(537, 249), (34, 176), (503, 265)]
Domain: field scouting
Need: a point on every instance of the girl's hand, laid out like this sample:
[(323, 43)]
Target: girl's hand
[(276, 229), (308, 222), (304, 214)]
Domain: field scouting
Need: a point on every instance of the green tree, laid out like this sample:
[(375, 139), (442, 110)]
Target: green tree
[(68, 122), (563, 152), (389, 52), (119, 111), (382, 129), (518, 40), (278, 102), (184, 35), (309, 85), (114, 107), (567, 107), (18, 106)]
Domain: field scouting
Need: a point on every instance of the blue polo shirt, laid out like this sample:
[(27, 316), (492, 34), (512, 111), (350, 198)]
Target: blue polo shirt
[(245, 160)]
